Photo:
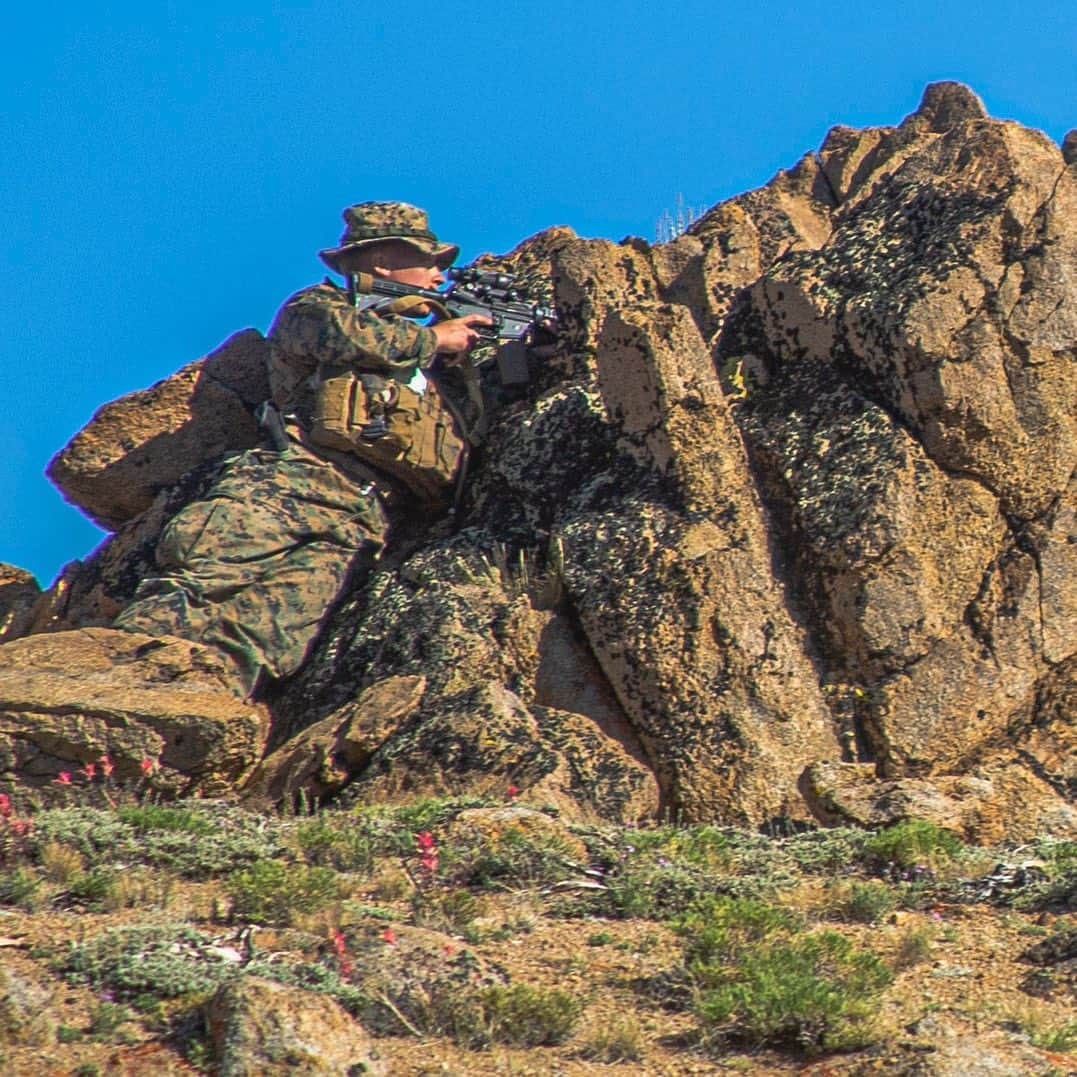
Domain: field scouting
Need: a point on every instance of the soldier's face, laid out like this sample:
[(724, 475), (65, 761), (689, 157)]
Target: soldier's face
[(416, 269)]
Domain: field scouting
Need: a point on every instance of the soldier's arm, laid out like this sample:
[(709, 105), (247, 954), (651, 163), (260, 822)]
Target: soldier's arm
[(322, 322)]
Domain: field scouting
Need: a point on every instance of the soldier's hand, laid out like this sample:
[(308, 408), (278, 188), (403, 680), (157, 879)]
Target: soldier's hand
[(457, 335)]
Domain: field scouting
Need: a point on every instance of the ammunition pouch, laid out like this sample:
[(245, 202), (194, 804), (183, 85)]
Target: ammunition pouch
[(410, 436)]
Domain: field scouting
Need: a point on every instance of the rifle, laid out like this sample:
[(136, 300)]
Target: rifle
[(514, 317)]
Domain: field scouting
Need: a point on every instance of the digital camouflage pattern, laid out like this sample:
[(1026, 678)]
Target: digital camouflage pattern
[(253, 567), (321, 325), (367, 223)]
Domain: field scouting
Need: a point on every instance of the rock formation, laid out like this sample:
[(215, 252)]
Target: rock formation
[(784, 531)]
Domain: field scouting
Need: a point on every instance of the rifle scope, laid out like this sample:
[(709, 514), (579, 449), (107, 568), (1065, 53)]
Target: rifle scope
[(485, 278)]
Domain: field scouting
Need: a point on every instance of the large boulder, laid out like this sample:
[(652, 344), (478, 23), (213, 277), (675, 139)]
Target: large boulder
[(148, 440), (670, 569), (69, 698), (449, 673), (264, 1028), (19, 591), (907, 399)]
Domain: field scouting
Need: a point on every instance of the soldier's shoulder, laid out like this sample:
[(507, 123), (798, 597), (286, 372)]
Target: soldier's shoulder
[(326, 291)]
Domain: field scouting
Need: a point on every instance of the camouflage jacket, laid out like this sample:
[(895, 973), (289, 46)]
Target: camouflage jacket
[(320, 325)]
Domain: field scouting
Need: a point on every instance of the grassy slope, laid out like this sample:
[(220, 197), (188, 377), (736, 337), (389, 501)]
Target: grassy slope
[(587, 949)]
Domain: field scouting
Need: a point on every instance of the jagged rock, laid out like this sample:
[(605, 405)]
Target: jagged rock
[(1045, 733), (321, 759), (1056, 959), (909, 405), (744, 236), (1069, 147), (801, 486), (448, 614), (855, 161), (985, 805), (148, 440), (486, 739), (943, 295), (671, 574), (260, 1027), (18, 593), (67, 698)]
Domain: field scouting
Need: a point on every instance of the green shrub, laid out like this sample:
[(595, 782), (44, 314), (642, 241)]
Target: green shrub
[(862, 902), (338, 843), (815, 992), (448, 910), (144, 817), (826, 852), (94, 888), (198, 842), (144, 964), (518, 1016), (272, 892), (618, 1040), (20, 886), (512, 859), (1060, 1036), (754, 977), (911, 842), (702, 846), (722, 926)]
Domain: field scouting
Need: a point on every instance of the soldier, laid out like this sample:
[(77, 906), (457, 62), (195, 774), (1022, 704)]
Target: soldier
[(253, 567)]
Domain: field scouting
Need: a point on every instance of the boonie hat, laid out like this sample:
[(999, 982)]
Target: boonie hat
[(374, 222)]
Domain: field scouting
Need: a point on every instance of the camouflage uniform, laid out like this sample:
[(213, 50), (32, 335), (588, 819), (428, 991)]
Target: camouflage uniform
[(253, 567), (321, 325)]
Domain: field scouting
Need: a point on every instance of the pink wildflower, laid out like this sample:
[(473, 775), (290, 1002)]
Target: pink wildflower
[(106, 765), (5, 805), (89, 770), (148, 766), (512, 792), (340, 948), (428, 851), (63, 778), (389, 936)]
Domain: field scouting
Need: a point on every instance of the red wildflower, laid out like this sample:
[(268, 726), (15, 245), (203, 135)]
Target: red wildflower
[(340, 948), (389, 936), (512, 792), (106, 765), (427, 847), (148, 767), (5, 805), (89, 769)]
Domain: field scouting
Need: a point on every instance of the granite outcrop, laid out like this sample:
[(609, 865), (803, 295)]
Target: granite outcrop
[(784, 530)]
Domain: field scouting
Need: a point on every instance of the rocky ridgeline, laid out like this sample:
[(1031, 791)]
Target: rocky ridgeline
[(784, 531)]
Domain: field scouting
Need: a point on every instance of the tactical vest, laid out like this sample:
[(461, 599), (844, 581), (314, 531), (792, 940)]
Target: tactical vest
[(412, 437)]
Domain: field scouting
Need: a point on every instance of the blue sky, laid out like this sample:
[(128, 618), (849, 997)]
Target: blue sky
[(168, 171)]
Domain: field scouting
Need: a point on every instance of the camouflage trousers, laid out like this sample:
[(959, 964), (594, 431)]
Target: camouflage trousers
[(253, 567)]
